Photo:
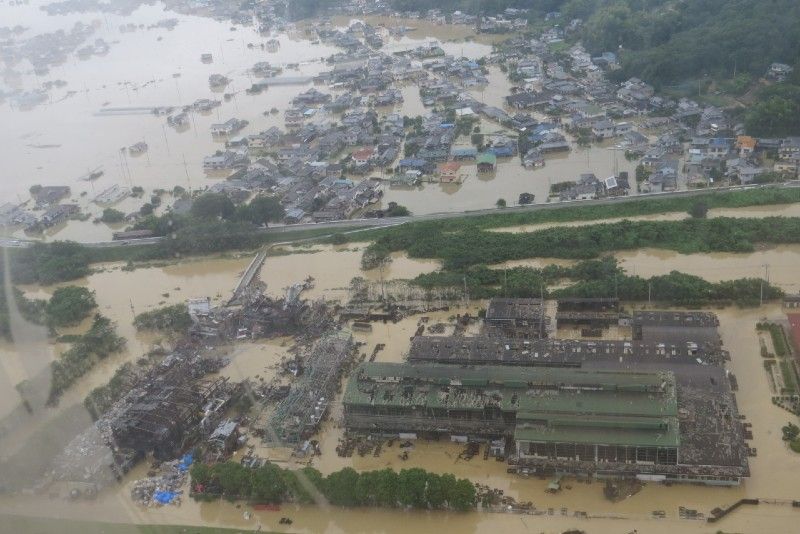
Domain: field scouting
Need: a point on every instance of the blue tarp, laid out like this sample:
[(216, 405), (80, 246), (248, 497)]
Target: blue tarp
[(185, 462), (164, 497)]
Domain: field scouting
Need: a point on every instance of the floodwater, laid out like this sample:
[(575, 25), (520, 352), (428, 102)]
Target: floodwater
[(63, 139), (127, 76), (333, 267), (773, 477), (119, 295), (509, 180), (782, 262)]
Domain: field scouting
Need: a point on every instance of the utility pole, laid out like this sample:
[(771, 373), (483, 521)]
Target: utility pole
[(186, 170), (766, 278)]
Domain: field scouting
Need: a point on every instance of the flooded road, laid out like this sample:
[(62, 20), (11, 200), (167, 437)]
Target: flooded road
[(777, 210)]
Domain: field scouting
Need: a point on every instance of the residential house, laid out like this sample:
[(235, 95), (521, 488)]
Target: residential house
[(746, 145), (603, 129), (58, 213), (49, 194), (363, 156), (790, 148), (487, 162), (448, 172), (465, 153), (779, 71), (222, 160), (228, 127), (718, 148)]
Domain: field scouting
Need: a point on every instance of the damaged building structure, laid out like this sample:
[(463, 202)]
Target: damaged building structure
[(299, 415), (517, 318), (659, 407)]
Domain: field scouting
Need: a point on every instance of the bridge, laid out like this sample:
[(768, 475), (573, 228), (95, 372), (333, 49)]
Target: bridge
[(249, 275)]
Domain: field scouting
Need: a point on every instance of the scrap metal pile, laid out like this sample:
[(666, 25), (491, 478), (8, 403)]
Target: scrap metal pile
[(298, 416)]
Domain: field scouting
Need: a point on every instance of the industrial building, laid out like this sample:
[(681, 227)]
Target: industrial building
[(658, 407), (597, 422), (484, 350), (516, 318)]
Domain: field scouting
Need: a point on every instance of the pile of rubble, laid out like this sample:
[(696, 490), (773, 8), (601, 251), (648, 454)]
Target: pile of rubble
[(163, 487)]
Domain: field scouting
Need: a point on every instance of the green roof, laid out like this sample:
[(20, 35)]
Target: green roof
[(666, 437), (487, 157), (549, 404)]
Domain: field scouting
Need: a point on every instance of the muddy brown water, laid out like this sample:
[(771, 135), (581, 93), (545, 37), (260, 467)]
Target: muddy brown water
[(773, 477), (773, 470), (126, 76)]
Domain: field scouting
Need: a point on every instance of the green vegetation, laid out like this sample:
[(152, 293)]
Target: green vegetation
[(98, 343), (469, 246), (501, 203), (410, 488), (213, 206), (48, 263), (789, 380), (698, 210), (102, 398), (110, 216), (69, 306), (261, 210), (791, 433), (776, 111), (396, 210), (778, 338), (598, 278), (173, 318)]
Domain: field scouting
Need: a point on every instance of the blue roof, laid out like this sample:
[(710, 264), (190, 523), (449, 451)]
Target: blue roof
[(501, 150), (412, 162), (469, 151), (718, 142)]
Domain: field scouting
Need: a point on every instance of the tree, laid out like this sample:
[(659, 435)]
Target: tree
[(790, 432), (341, 487), (268, 484), (525, 198), (234, 479), (147, 209), (201, 473), (110, 215), (642, 173), (463, 496), (501, 203), (174, 318), (386, 487), (584, 137), (70, 305), (699, 210), (411, 485), (435, 491), (396, 210), (48, 263), (261, 210), (213, 206)]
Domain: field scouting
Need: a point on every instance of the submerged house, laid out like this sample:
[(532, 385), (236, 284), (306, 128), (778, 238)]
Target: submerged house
[(487, 162)]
